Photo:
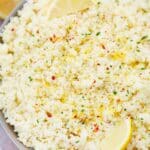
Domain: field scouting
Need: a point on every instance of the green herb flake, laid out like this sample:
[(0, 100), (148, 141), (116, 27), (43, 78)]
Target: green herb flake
[(37, 121), (144, 37), (98, 33), (30, 78), (77, 141), (86, 34), (115, 92), (98, 3), (142, 119), (142, 68), (1, 78), (82, 110), (138, 50), (83, 97), (117, 1)]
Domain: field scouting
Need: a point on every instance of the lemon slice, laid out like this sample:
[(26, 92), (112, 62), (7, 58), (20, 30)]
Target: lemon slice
[(95, 1), (59, 8), (6, 6), (118, 137)]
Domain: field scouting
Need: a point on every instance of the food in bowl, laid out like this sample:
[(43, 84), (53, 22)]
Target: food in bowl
[(81, 81)]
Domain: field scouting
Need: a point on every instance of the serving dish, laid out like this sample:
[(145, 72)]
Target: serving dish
[(9, 129), (36, 97)]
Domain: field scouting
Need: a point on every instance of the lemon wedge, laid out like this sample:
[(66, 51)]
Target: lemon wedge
[(6, 6), (59, 8), (95, 1), (118, 137)]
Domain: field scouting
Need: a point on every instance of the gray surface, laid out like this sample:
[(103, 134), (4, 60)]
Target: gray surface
[(5, 142)]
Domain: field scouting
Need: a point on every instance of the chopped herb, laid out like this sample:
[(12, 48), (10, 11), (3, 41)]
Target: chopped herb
[(37, 121), (77, 141), (85, 34), (30, 78), (115, 92), (125, 109), (117, 1), (1, 78), (10, 52), (144, 37), (142, 119), (142, 68), (120, 67), (98, 33), (98, 3), (83, 97), (82, 110), (138, 50), (1, 39), (144, 10)]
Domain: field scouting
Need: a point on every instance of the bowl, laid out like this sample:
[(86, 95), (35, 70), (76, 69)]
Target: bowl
[(9, 129)]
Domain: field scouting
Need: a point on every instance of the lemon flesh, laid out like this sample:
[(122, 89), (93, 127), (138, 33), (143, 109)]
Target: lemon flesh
[(59, 8), (118, 137), (53, 8), (6, 6)]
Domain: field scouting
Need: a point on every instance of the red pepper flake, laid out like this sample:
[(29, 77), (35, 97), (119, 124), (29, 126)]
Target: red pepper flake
[(98, 64), (92, 84), (107, 68), (75, 116), (118, 100), (49, 115), (94, 81), (103, 46), (12, 29), (122, 89), (53, 78), (96, 128), (53, 38)]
